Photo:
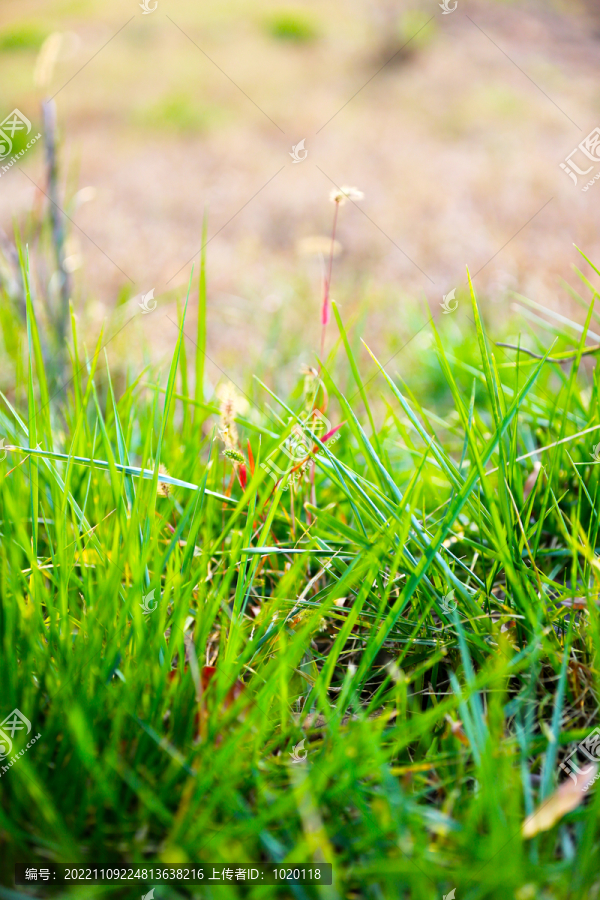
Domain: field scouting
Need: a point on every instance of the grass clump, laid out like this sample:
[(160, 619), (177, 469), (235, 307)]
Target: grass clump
[(179, 113), (22, 36), (292, 25), (416, 26), (407, 591)]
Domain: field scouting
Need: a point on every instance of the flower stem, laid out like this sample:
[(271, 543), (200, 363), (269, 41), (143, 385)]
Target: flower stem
[(327, 285)]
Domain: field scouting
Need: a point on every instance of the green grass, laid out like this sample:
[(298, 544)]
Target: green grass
[(292, 25), (323, 595), (23, 36), (179, 113), (417, 27)]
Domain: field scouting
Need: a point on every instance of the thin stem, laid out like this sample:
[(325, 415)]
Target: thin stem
[(327, 285), (562, 359)]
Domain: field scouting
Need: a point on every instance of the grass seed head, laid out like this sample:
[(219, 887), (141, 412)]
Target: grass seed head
[(163, 489), (234, 455), (232, 403)]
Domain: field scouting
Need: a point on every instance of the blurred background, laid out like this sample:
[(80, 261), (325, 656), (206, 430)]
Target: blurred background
[(453, 125)]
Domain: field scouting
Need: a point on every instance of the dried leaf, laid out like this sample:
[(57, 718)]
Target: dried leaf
[(531, 480), (565, 798), (575, 602), (457, 730), (188, 642), (201, 717), (208, 672)]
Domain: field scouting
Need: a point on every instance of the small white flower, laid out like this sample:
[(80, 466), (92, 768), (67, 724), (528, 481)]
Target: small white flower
[(340, 195)]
